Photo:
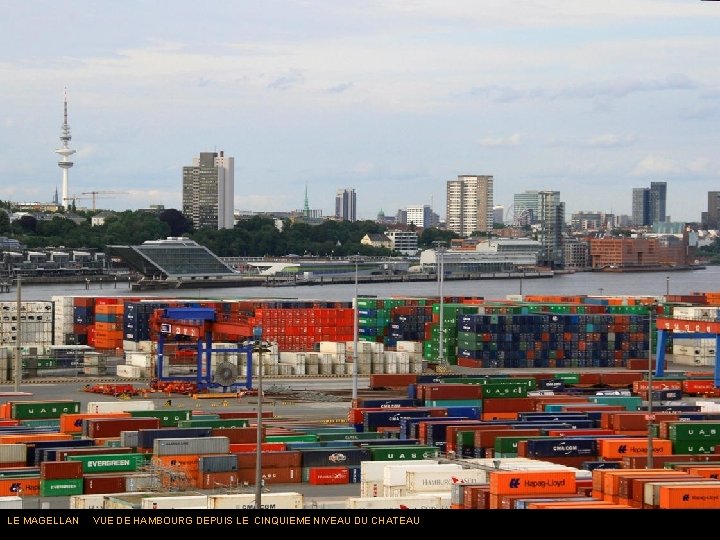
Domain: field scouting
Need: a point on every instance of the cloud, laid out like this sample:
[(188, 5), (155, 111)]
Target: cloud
[(293, 78), (499, 142), (699, 165), (9, 122), (339, 89), (610, 140), (622, 88), (654, 165), (698, 112), (364, 167)]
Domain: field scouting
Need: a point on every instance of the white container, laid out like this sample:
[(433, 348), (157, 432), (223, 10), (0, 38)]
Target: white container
[(396, 475), (275, 501), (378, 365), (191, 445), (139, 482), (140, 359), (130, 372), (380, 503), (696, 313), (11, 503), (119, 406), (418, 481), (87, 502), (333, 347), (180, 501), (374, 471), (325, 364), (409, 346), (13, 453)]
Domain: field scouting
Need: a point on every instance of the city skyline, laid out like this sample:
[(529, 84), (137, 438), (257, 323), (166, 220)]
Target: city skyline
[(392, 98)]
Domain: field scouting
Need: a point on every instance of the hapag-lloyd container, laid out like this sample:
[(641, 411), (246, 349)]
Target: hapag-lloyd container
[(179, 501), (689, 497), (13, 453), (522, 482), (242, 501), (119, 406), (651, 490), (110, 462), (619, 448), (420, 481), (426, 501), (197, 445)]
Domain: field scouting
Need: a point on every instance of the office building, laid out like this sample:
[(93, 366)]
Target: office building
[(551, 218), (209, 191), (525, 208), (711, 219), (419, 215), (470, 204), (649, 204), (345, 205), (499, 215), (405, 242)]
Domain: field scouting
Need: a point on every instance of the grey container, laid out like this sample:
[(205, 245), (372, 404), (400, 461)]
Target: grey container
[(129, 438), (13, 453), (212, 464), (189, 446), (139, 482)]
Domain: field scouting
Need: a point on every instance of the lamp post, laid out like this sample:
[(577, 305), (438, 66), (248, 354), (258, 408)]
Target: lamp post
[(355, 335), (18, 344), (667, 285), (259, 347), (650, 415), (440, 265)]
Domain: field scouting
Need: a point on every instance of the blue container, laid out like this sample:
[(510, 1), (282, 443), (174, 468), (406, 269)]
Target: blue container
[(409, 426), (565, 447), (375, 419), (592, 465), (354, 472), (388, 403), (190, 314), (470, 412), (33, 447)]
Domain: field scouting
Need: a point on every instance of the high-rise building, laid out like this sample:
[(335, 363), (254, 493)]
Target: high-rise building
[(649, 204), (592, 221), (345, 205), (209, 191), (712, 218), (469, 204), (525, 208), (419, 215), (551, 217), (498, 214)]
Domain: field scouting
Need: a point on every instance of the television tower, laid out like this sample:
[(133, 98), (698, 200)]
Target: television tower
[(65, 151)]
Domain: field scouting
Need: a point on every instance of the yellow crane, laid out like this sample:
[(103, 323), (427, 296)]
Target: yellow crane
[(102, 193)]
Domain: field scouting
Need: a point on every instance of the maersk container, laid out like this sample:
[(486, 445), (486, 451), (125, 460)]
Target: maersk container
[(22, 410), (422, 481), (212, 464), (11, 503), (335, 457), (61, 488), (177, 501), (540, 448), (168, 418), (13, 453), (87, 502), (402, 453), (410, 502), (189, 446), (110, 462), (146, 437), (241, 501), (97, 407)]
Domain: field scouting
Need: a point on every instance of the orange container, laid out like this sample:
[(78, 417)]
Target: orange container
[(26, 487), (690, 497), (72, 423), (599, 475), (499, 416), (5, 439), (587, 505), (619, 448), (522, 482), (705, 472)]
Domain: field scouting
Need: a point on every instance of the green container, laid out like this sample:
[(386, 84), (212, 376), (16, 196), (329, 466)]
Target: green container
[(168, 418), (220, 423), (701, 432), (61, 488), (694, 447), (291, 438), (502, 390), (510, 444), (40, 363), (631, 403), (403, 453), (453, 403), (568, 378), (110, 462), (204, 416), (354, 436), (24, 410), (112, 443), (366, 303), (42, 422)]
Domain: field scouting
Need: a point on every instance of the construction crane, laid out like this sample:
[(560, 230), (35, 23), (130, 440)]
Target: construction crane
[(96, 193)]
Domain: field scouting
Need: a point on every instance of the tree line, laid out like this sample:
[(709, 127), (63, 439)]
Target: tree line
[(254, 237)]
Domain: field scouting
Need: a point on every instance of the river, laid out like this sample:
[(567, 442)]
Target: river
[(593, 283)]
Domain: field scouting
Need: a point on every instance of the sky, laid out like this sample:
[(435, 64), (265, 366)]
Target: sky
[(392, 98)]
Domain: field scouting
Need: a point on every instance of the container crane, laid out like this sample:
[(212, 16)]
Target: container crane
[(95, 194)]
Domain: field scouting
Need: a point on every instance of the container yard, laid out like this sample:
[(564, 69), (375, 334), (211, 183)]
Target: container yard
[(540, 403)]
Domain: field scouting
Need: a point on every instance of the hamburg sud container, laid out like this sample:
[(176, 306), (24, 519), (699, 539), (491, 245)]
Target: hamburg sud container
[(276, 501), (418, 481), (190, 446), (528, 482), (395, 476)]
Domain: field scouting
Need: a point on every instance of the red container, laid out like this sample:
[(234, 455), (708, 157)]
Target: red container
[(452, 391), (509, 405), (62, 455), (476, 497), (637, 421), (102, 483), (699, 387), (246, 460), (252, 447), (619, 379), (320, 476), (219, 480), (237, 435), (272, 475), (60, 470), (391, 381), (111, 427), (452, 431)]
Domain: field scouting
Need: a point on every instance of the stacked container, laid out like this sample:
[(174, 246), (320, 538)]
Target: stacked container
[(61, 478), (108, 324)]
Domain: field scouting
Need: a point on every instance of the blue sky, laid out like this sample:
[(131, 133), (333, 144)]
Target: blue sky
[(390, 97)]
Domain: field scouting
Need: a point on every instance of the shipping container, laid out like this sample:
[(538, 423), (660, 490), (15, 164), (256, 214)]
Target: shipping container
[(112, 427), (242, 501), (219, 463), (146, 437), (410, 502), (197, 445), (60, 470), (101, 407), (521, 482), (247, 460), (219, 480), (43, 409), (272, 475), (429, 480), (87, 502), (320, 476), (104, 484), (12, 453), (110, 462), (72, 423), (402, 453), (61, 488), (167, 417), (11, 503), (174, 502)]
